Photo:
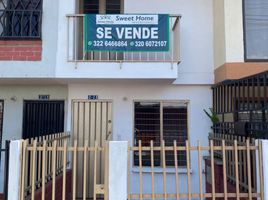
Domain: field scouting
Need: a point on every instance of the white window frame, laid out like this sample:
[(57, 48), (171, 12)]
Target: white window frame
[(186, 102)]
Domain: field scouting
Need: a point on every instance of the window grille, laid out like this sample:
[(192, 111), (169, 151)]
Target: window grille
[(113, 6), (93, 6), (20, 19), (157, 121)]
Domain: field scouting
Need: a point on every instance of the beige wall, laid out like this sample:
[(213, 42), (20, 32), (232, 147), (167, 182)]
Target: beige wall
[(228, 32), (219, 33)]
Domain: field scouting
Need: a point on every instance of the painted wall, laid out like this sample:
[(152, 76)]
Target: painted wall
[(46, 67), (196, 46), (123, 93), (228, 32), (13, 110)]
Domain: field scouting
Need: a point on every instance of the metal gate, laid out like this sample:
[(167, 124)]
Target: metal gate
[(42, 118), (91, 122)]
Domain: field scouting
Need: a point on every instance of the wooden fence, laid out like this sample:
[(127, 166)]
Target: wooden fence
[(43, 160), (228, 152)]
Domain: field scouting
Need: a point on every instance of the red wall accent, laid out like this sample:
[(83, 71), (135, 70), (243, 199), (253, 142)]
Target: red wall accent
[(58, 193), (21, 50)]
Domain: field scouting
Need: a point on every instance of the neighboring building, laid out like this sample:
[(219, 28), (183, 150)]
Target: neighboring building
[(240, 89), (241, 62)]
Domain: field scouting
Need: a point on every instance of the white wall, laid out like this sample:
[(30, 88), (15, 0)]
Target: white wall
[(228, 32), (46, 67), (196, 35), (199, 125), (196, 45), (13, 110)]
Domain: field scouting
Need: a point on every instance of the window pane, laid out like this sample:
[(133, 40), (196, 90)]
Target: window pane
[(91, 6), (147, 128), (175, 129), (113, 6), (256, 29)]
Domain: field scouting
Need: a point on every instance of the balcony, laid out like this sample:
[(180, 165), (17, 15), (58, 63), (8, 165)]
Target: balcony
[(76, 52)]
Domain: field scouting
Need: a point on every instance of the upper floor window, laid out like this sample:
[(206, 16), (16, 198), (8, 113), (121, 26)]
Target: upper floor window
[(20, 19), (103, 6), (256, 29)]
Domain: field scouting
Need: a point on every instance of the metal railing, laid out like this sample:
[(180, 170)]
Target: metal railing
[(76, 53)]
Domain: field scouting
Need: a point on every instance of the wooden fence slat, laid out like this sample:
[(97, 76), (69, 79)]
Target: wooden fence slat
[(74, 169), (140, 166), (236, 171), (176, 170), (224, 170), (129, 174), (249, 171), (54, 163), (33, 174), (212, 168), (23, 177), (164, 169), (95, 169), (85, 171), (261, 169), (188, 169), (200, 171), (44, 164), (64, 170), (152, 168)]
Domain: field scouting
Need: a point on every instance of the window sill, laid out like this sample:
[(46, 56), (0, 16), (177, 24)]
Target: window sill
[(159, 170)]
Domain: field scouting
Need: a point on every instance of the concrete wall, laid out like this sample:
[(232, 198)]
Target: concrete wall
[(46, 67), (123, 93), (196, 46), (196, 35), (228, 32), (13, 110)]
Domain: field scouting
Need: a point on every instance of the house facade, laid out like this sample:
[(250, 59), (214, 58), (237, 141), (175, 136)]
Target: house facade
[(50, 84)]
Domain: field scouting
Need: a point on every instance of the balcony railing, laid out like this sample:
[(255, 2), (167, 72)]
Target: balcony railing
[(76, 53)]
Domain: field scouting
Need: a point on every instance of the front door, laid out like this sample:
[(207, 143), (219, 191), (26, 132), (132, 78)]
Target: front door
[(91, 121), (42, 118)]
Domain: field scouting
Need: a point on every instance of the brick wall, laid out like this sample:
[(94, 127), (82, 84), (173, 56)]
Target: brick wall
[(1, 197), (59, 186), (218, 172), (21, 50)]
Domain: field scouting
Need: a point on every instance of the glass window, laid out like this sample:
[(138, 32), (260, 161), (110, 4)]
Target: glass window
[(157, 121), (256, 29)]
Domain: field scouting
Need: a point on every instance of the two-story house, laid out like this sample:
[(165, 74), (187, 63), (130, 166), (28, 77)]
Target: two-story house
[(49, 83)]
